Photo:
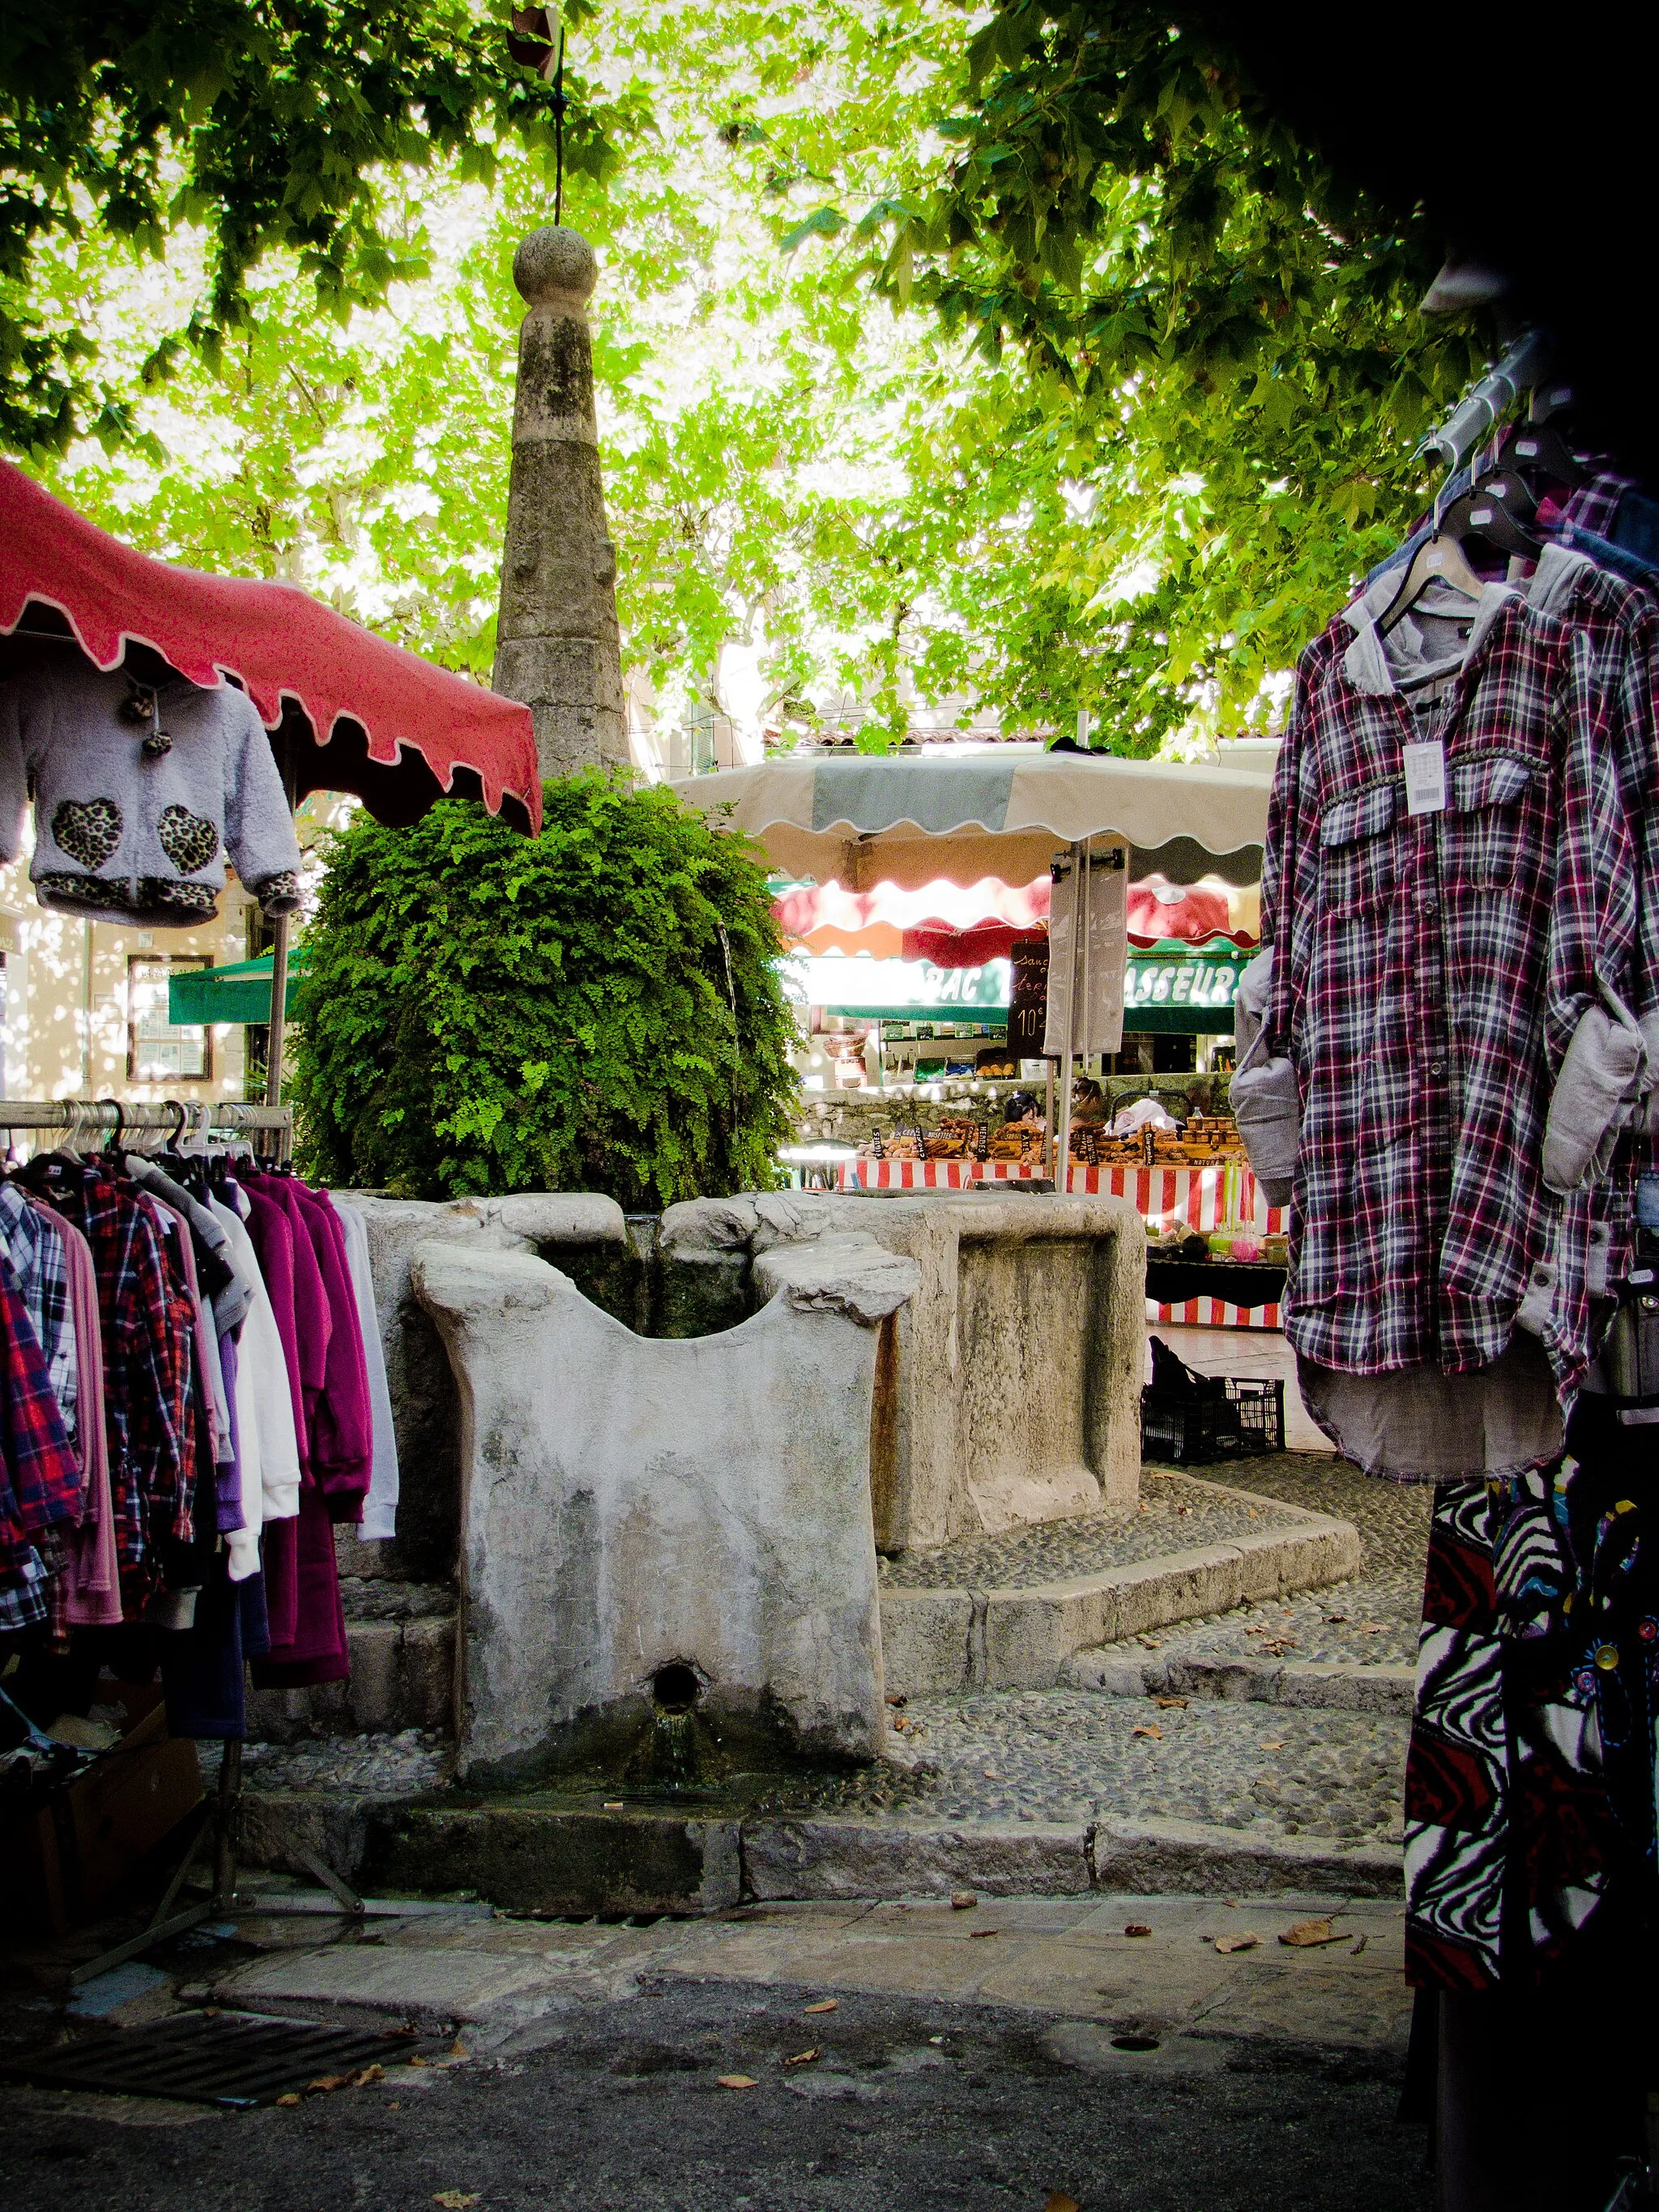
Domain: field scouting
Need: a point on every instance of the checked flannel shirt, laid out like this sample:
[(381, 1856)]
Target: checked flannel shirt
[(147, 1322), (29, 1239), (41, 1472), (1421, 962)]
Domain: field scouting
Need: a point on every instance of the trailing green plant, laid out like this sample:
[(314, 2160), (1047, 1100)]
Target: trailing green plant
[(596, 1008)]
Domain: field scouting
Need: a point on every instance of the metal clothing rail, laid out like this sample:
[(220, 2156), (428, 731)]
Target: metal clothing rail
[(171, 1116)]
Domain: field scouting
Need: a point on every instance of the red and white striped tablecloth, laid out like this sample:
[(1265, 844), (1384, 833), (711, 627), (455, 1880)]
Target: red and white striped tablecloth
[(1193, 1196)]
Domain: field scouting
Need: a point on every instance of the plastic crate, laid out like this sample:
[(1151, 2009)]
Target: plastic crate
[(1239, 1418)]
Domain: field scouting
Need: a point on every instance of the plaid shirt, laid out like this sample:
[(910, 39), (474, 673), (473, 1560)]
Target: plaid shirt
[(42, 1473), (1420, 963), (147, 1324), (29, 1239)]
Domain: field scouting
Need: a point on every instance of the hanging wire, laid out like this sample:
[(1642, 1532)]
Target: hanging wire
[(560, 104)]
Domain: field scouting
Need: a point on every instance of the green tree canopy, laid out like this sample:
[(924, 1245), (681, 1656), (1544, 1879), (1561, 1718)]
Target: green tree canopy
[(593, 1009), (1016, 357), (266, 125)]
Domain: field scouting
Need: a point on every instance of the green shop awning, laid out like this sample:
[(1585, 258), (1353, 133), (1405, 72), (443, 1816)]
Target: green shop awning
[(1189, 990), (239, 992)]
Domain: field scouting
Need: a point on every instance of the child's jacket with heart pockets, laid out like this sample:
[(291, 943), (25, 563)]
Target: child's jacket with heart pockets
[(136, 805)]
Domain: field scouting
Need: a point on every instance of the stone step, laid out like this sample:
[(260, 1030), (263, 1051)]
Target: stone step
[(550, 1859), (1010, 1612), (400, 1641), (1053, 1793), (1335, 1685)]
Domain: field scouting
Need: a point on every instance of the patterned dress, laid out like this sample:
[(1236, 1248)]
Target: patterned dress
[(1530, 1776)]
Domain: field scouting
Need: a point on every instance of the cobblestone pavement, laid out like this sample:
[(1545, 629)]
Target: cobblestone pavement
[(1372, 1620), (1176, 1514), (1065, 1755), (417, 1759)]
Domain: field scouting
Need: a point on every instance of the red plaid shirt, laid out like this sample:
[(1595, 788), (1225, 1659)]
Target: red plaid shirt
[(42, 1473), (147, 1325), (1421, 962)]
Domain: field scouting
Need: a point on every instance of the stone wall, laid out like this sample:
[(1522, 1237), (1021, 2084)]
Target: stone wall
[(1009, 1387), (667, 1565)]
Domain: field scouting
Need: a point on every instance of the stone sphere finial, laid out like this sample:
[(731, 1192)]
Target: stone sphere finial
[(552, 264)]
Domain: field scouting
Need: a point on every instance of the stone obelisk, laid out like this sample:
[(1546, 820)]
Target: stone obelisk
[(557, 648)]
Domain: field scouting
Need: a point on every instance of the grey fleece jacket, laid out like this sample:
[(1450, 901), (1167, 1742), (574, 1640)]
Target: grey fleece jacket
[(124, 833)]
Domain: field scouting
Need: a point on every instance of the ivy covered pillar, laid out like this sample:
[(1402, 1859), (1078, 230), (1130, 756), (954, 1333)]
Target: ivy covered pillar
[(557, 648)]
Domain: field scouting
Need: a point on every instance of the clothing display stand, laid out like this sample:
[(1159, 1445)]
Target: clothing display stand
[(219, 1822)]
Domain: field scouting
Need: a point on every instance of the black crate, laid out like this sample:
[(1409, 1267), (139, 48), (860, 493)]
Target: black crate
[(1239, 1418)]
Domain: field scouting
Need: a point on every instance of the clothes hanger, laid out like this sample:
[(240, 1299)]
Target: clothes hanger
[(1538, 451), (1497, 509), (1439, 559)]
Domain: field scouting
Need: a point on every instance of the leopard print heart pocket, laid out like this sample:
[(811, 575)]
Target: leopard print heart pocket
[(189, 841), (88, 829)]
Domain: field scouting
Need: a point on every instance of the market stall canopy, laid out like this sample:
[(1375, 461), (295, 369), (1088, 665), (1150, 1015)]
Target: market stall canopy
[(962, 925), (239, 992), (350, 712), (869, 819)]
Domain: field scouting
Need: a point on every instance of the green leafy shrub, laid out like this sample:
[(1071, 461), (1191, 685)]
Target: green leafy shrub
[(594, 1009)]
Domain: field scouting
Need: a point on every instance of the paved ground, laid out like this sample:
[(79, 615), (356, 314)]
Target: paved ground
[(1024, 2053), (1064, 1755), (1174, 1514), (1372, 1620)]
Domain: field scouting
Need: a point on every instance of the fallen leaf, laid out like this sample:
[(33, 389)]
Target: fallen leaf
[(1334, 1619), (456, 2200), (900, 1722), (1059, 2201), (1360, 1945), (1167, 1703), (394, 2106), (990, 1774), (963, 1900), (1279, 1746), (1373, 1628), (458, 2049), (416, 2059), (802, 2059), (1308, 1932), (737, 2081), (1135, 1927), (291, 2098), (326, 2081), (898, 1697), (370, 2074), (824, 2004), (980, 1934), (1224, 1943), (1148, 1727)]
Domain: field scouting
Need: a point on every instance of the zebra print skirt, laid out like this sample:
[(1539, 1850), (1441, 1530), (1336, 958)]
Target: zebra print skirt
[(1530, 1776)]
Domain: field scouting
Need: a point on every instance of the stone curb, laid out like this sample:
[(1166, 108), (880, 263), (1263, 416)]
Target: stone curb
[(1330, 1684), (530, 1858), (935, 1641)]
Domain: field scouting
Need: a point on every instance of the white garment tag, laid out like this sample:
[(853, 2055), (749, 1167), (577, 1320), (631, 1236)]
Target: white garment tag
[(1425, 778)]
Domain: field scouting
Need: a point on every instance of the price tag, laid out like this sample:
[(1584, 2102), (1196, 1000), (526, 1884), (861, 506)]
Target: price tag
[(1425, 778)]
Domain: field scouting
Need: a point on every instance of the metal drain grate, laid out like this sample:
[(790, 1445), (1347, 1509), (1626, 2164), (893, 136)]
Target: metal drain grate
[(210, 2058)]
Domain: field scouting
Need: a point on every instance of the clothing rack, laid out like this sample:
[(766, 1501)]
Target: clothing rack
[(1525, 364), (171, 1116)]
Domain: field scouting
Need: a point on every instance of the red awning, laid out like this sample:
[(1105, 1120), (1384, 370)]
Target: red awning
[(350, 712)]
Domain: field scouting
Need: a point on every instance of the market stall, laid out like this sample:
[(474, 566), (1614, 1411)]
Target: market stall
[(912, 883)]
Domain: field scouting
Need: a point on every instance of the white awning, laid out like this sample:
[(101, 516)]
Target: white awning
[(862, 819)]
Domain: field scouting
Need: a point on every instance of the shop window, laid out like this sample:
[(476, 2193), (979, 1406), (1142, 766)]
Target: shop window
[(159, 1050)]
